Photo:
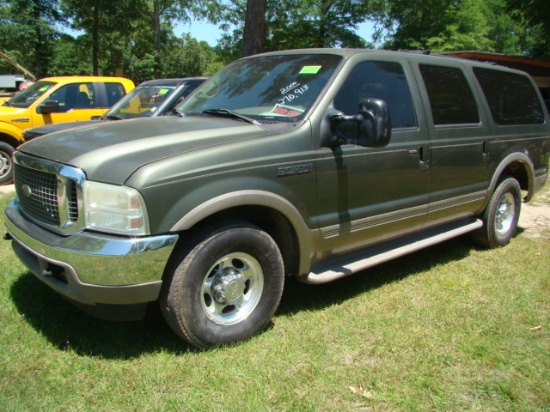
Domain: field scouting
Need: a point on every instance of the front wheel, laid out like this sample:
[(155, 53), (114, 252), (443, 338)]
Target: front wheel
[(501, 216), (226, 287), (6, 163)]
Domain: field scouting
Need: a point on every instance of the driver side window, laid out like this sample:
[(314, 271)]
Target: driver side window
[(379, 80), (74, 96)]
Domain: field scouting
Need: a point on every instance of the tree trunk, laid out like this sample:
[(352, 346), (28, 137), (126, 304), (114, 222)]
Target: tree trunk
[(95, 40), (156, 38), (254, 27)]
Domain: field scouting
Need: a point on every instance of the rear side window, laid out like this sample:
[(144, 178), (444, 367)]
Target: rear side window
[(115, 91), (379, 80), (510, 96), (450, 95)]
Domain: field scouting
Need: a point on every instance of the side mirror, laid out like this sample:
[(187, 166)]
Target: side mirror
[(371, 127), (48, 106)]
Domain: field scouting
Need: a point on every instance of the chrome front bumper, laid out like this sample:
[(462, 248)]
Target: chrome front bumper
[(91, 268)]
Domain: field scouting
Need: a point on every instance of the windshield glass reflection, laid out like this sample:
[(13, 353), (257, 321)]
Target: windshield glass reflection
[(281, 88), (140, 102)]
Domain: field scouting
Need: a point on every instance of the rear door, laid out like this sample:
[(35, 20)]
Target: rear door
[(457, 159)]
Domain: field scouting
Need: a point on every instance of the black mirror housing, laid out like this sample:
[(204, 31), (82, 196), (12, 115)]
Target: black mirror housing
[(371, 127), (48, 106)]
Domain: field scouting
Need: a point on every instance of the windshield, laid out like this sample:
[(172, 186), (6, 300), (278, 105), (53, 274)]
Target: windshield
[(280, 88), (27, 97), (142, 101)]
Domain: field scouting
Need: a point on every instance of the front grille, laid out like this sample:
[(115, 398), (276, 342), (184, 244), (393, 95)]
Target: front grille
[(72, 201), (50, 194), (37, 192)]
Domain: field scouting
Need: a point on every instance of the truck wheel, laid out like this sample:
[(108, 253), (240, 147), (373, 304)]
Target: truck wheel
[(226, 287), (500, 219), (6, 163)]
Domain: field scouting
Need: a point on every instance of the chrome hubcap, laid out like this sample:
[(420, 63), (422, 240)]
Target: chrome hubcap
[(505, 213), (4, 164), (232, 288)]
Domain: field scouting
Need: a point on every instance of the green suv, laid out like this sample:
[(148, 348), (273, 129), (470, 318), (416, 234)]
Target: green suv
[(313, 164)]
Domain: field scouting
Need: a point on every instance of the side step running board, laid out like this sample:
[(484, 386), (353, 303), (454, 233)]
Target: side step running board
[(379, 254)]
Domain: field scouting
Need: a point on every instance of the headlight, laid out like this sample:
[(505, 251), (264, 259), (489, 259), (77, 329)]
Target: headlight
[(114, 209)]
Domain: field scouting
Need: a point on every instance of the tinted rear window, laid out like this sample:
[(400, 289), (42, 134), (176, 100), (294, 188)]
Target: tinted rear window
[(511, 97), (451, 99)]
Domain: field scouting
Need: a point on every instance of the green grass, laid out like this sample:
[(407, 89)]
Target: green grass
[(450, 328)]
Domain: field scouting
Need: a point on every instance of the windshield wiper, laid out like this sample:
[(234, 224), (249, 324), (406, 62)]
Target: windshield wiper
[(113, 117), (230, 114)]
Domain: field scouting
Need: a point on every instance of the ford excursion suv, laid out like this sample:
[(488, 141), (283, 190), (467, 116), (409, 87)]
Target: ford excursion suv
[(54, 100), (313, 164), (150, 99)]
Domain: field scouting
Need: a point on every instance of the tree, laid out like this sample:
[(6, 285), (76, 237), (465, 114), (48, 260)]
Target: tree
[(107, 22), (70, 57), (254, 27), (28, 32), (300, 23), (320, 23), (533, 17), (449, 25)]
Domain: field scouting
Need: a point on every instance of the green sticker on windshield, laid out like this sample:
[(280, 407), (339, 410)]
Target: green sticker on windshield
[(310, 70), (163, 91)]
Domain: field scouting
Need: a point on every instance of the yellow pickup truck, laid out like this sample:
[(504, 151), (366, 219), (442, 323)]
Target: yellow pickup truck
[(54, 100)]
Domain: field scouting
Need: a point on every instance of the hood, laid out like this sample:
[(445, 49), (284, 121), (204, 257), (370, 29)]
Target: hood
[(112, 151), (38, 131)]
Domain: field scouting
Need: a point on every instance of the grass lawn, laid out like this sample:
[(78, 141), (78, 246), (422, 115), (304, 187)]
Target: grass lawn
[(450, 328)]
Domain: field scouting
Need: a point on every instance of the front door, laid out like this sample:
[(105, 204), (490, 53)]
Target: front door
[(368, 195)]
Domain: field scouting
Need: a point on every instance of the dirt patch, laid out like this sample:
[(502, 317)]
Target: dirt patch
[(6, 189), (535, 216)]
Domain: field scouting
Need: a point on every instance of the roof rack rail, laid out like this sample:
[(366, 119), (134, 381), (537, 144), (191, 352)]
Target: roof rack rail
[(426, 52)]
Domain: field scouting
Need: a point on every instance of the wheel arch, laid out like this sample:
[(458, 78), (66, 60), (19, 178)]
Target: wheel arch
[(9, 139), (271, 213), (520, 167)]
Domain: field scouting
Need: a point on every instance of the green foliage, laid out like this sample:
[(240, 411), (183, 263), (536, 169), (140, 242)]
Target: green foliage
[(70, 57), (136, 37), (533, 17), (301, 24), (503, 26), (28, 33)]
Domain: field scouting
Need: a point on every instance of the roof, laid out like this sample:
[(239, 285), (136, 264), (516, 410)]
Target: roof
[(534, 66)]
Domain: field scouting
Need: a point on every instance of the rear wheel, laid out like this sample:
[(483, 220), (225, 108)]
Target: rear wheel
[(501, 217), (226, 287), (6, 163)]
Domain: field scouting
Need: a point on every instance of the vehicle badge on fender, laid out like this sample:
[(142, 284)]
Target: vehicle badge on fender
[(294, 169)]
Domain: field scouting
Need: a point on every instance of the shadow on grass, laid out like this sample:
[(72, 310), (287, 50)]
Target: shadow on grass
[(68, 328), (298, 296)]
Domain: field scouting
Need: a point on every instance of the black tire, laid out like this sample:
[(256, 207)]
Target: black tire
[(6, 163), (501, 216), (226, 286)]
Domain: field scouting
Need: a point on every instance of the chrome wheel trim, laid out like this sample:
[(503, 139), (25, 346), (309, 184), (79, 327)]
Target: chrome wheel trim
[(505, 213), (5, 163), (232, 288)]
